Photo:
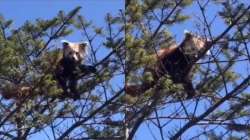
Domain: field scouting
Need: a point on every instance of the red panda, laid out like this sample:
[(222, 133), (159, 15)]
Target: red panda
[(177, 61), (17, 92), (70, 66)]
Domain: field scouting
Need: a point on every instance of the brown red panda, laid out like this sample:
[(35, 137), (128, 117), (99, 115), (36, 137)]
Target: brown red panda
[(70, 66), (17, 92), (176, 61), (67, 72)]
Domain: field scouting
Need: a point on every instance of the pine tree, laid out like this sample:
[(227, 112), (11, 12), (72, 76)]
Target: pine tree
[(32, 102), (222, 91)]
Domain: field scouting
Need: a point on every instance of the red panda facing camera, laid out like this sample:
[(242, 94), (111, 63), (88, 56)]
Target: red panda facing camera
[(177, 61), (74, 51), (70, 67)]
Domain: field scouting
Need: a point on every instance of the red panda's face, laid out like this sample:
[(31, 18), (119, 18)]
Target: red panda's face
[(195, 44), (74, 51)]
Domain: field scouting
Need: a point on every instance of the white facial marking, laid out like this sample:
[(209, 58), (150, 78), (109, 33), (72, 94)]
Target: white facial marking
[(198, 42), (75, 57)]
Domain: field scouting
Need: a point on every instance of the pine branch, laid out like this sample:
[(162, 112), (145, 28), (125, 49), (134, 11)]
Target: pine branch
[(244, 84), (79, 123)]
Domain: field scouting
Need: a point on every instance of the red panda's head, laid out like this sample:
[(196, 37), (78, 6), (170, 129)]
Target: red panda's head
[(74, 51), (194, 44)]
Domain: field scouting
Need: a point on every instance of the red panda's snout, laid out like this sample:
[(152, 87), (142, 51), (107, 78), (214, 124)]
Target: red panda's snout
[(74, 56)]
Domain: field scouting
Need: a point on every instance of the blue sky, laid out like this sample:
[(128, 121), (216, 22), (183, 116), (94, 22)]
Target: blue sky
[(24, 10), (93, 10)]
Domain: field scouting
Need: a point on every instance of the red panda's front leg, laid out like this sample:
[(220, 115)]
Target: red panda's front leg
[(60, 77), (73, 88), (188, 87)]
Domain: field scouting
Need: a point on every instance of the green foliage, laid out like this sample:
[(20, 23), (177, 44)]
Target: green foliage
[(141, 45), (37, 103), (148, 24), (28, 87)]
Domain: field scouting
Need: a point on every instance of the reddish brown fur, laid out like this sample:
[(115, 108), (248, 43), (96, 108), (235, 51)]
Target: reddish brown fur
[(18, 93), (165, 51), (173, 61)]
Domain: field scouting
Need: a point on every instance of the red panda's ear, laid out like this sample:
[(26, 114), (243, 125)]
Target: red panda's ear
[(83, 44), (188, 34), (65, 43)]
